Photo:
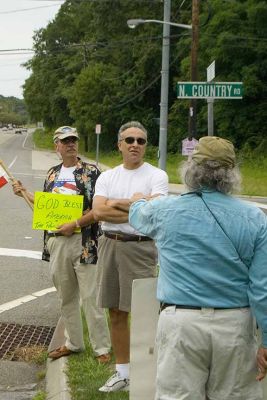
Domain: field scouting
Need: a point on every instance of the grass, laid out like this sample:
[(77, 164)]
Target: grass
[(253, 169), (40, 396), (43, 140), (254, 172), (86, 375), (34, 354)]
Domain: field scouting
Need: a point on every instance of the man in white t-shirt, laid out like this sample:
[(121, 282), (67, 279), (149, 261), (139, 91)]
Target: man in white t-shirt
[(124, 253), (72, 254)]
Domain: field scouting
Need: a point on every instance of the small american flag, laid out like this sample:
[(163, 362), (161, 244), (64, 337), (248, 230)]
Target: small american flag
[(3, 177)]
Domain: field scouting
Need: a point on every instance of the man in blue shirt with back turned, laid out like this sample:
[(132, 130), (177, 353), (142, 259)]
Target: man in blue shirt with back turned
[(213, 280)]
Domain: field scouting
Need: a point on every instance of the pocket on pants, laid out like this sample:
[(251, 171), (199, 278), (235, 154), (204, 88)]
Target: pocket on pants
[(49, 244)]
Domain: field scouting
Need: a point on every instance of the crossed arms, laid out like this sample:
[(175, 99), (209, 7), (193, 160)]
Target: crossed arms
[(109, 210), (115, 210)]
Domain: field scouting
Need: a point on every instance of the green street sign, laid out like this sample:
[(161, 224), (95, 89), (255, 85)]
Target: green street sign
[(205, 90)]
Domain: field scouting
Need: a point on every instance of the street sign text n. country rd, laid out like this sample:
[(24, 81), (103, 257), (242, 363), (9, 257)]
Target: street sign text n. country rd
[(204, 90)]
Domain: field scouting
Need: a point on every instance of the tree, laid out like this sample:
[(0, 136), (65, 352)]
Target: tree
[(12, 111), (235, 37), (89, 68)]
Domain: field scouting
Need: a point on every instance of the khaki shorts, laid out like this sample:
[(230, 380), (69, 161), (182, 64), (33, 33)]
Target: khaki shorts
[(207, 354), (119, 263)]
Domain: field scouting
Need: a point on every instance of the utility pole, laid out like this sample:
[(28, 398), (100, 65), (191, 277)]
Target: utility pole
[(192, 120), (164, 96), (83, 130)]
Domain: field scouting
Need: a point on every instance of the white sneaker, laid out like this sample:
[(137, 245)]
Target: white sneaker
[(116, 383)]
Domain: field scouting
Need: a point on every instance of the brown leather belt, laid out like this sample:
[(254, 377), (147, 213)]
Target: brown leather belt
[(185, 307), (53, 234), (124, 237)]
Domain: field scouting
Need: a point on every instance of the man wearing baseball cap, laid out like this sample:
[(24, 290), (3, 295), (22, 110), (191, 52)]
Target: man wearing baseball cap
[(212, 281), (73, 255), (65, 131)]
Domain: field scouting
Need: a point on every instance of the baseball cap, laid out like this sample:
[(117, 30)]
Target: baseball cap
[(215, 149), (65, 131)]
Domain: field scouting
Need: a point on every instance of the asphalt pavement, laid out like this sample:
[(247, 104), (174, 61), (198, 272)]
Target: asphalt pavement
[(19, 380), (21, 273)]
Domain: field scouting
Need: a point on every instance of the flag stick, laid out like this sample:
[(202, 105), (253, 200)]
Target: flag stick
[(14, 180)]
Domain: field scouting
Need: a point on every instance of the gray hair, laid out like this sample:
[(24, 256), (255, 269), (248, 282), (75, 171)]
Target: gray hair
[(211, 175), (131, 124)]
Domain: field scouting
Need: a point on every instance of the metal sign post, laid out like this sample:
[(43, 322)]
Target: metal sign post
[(210, 100), (97, 131)]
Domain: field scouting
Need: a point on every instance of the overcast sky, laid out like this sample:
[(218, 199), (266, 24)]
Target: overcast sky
[(18, 21)]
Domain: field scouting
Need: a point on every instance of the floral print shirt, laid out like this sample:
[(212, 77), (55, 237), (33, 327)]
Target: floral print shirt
[(85, 176)]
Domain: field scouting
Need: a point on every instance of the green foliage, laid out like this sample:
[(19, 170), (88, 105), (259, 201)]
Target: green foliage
[(235, 36), (12, 111), (253, 160), (43, 139), (90, 68), (86, 375), (40, 396)]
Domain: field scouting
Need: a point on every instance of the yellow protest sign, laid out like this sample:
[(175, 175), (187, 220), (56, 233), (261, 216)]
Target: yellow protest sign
[(51, 210)]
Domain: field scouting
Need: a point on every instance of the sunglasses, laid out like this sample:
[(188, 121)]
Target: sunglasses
[(70, 139), (131, 140)]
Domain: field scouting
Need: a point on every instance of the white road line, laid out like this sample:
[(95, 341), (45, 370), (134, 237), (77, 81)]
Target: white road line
[(25, 299), (23, 144), (20, 253), (12, 162)]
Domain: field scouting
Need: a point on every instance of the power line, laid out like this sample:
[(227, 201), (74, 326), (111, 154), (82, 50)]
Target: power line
[(94, 45), (112, 45), (137, 94), (28, 9), (9, 50)]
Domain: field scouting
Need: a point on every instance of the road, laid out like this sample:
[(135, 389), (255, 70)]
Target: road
[(27, 295)]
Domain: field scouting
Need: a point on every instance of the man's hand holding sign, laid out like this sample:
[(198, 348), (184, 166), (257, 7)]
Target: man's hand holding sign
[(51, 211)]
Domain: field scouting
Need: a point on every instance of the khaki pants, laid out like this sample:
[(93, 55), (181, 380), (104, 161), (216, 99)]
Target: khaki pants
[(207, 354), (75, 283), (119, 263)]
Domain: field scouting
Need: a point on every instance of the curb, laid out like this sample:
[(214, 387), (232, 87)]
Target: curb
[(56, 380)]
